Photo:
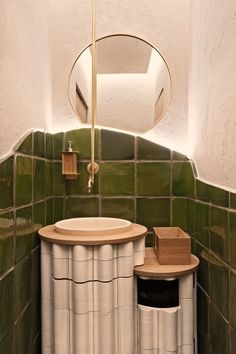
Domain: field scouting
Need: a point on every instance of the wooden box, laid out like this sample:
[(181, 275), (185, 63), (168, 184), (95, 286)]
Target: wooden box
[(172, 245), (69, 164)]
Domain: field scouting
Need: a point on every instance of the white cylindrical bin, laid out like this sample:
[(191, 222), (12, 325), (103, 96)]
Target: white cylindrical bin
[(166, 315)]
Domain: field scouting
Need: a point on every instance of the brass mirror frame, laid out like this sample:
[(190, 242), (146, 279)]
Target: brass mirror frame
[(135, 37)]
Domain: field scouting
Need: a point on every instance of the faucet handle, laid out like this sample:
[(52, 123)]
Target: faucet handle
[(95, 168)]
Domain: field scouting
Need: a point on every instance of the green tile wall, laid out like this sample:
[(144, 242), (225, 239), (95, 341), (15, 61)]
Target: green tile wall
[(25, 188), (23, 180), (119, 208), (138, 180), (153, 178), (117, 178), (6, 183)]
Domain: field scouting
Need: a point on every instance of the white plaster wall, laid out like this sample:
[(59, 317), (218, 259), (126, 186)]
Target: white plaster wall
[(212, 91), (25, 78), (163, 23), (125, 101)]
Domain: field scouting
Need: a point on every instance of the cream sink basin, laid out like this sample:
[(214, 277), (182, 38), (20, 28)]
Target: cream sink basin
[(92, 226)]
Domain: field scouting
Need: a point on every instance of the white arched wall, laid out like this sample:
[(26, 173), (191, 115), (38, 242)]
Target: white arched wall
[(212, 91), (163, 23), (118, 95), (43, 36), (25, 99), (202, 109)]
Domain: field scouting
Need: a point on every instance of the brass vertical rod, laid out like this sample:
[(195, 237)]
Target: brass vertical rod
[(94, 87)]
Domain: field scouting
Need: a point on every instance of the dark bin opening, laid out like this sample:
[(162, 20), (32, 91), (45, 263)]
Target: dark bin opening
[(158, 293)]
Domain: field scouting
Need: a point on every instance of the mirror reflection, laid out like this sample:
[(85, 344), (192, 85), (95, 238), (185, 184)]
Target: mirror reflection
[(133, 84)]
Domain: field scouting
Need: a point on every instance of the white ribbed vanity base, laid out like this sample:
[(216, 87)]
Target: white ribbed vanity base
[(89, 303), (170, 330)]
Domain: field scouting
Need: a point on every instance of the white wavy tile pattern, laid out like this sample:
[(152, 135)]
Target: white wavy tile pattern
[(89, 304), (89, 298), (169, 330)]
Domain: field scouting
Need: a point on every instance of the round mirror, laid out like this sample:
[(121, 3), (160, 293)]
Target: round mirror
[(133, 84)]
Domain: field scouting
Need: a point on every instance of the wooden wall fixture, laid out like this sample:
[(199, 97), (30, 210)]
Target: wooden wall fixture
[(69, 162)]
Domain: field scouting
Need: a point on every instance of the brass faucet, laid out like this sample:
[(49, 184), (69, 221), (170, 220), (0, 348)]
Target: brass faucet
[(90, 184), (91, 175)]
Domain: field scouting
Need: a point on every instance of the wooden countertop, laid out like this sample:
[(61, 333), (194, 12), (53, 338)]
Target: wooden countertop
[(152, 269), (49, 234)]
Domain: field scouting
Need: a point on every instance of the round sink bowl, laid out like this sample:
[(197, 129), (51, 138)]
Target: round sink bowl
[(92, 226)]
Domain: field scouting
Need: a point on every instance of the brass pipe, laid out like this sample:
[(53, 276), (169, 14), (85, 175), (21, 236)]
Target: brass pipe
[(94, 88), (92, 166)]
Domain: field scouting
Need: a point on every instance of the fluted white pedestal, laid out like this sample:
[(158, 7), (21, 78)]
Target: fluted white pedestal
[(89, 298), (169, 330)]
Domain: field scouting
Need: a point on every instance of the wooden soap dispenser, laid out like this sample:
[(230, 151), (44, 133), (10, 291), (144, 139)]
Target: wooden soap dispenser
[(69, 162)]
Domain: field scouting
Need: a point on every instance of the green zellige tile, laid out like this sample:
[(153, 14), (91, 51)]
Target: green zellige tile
[(117, 178), (58, 179), (38, 220), (48, 178), (58, 146), (49, 211), (202, 191), (49, 146), (203, 308), (147, 150), (39, 144), (202, 223), (37, 345), (23, 329), (218, 332), (36, 292), (6, 304), (203, 345), (79, 186), (6, 241), (204, 267), (191, 217), (193, 246), (219, 236), (22, 284), (118, 208), (39, 179), (232, 340), (6, 183), (179, 210), (232, 299), (232, 236), (58, 209), (81, 207), (233, 200), (149, 239), (219, 196), (7, 344), (153, 179), (26, 146), (116, 146), (219, 285), (23, 180), (23, 232), (81, 142), (183, 179), (177, 156), (153, 212)]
